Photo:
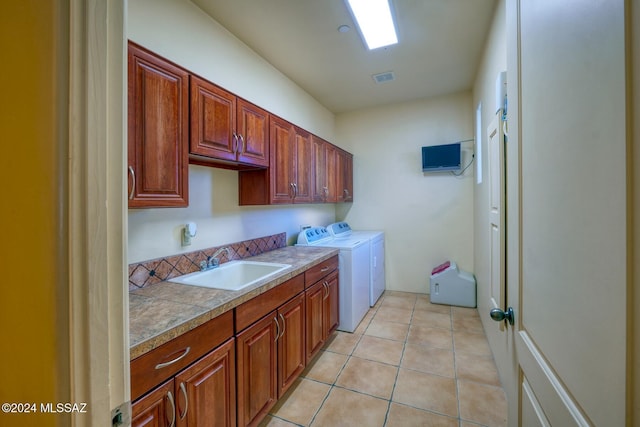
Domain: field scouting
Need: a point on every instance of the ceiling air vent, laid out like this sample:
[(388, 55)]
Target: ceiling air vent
[(384, 77)]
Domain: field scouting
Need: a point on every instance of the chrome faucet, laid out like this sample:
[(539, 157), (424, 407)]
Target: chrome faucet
[(213, 261)]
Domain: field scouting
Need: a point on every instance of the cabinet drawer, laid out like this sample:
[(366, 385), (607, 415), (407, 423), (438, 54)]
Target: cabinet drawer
[(165, 361), (317, 272), (255, 308)]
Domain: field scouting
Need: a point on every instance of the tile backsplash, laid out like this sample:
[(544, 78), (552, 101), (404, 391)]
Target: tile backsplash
[(147, 273)]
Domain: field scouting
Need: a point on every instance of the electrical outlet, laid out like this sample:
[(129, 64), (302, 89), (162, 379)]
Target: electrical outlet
[(186, 237), (121, 416)]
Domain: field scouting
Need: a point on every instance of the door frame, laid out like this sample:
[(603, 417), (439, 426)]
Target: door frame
[(98, 323)]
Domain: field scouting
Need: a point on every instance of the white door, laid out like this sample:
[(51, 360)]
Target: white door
[(495, 138), (567, 213), (377, 270)]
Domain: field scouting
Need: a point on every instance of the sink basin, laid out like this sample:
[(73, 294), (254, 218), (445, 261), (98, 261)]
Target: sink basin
[(232, 276)]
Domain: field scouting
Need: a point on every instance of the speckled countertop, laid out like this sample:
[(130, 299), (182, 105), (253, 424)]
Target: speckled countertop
[(161, 312)]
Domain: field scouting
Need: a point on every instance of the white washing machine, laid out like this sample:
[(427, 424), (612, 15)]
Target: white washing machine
[(353, 286), (377, 281)]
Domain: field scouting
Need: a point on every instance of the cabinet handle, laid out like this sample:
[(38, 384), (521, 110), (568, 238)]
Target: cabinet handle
[(326, 193), (295, 189), (133, 182), (234, 145), (186, 401), (346, 193), (171, 362), (326, 288), (173, 409), (275, 319), (241, 138), (323, 269), (284, 325)]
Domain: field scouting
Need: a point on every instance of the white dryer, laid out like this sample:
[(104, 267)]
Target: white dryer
[(353, 286), (377, 283)]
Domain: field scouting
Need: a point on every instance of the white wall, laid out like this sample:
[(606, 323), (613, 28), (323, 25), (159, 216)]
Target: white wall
[(181, 32), (213, 206), (494, 60), (427, 218)]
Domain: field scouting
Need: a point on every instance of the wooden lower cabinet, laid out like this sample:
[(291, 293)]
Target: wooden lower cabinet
[(201, 395), (206, 391), (271, 355), (332, 320), (322, 312), (291, 349), (236, 384), (156, 409), (315, 312), (256, 370)]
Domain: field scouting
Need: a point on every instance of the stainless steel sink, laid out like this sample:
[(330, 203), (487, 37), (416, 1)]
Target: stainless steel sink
[(232, 276)]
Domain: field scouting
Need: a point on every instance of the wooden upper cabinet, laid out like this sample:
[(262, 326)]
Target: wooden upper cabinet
[(158, 126), (225, 129), (302, 165), (303, 169), (213, 118), (331, 173), (323, 175), (290, 166), (319, 189), (282, 161), (253, 133), (344, 174)]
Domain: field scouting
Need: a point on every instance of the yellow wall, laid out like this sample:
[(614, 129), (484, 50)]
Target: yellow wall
[(32, 308)]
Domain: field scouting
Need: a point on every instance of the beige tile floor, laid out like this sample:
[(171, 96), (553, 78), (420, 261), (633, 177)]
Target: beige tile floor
[(409, 363)]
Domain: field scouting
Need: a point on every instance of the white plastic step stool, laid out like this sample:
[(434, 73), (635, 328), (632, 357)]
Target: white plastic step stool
[(451, 286)]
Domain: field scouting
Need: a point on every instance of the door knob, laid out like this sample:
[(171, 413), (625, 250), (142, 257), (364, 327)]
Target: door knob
[(499, 315)]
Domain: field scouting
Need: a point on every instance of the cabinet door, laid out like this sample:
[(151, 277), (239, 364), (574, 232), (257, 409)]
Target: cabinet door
[(348, 177), (156, 409), (291, 345), (315, 303), (331, 304), (318, 170), (253, 134), (158, 126), (331, 173), (213, 119), (302, 165), (206, 392), (282, 155), (344, 174), (256, 370)]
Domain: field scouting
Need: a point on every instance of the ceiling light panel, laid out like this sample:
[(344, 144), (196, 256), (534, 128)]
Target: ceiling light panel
[(375, 22)]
